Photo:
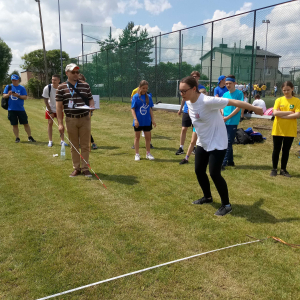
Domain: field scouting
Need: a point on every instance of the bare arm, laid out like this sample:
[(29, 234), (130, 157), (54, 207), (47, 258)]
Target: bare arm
[(92, 103), (232, 114), (47, 104), (281, 114), (21, 97), (181, 106), (136, 122), (242, 104), (59, 112), (152, 117), (292, 116)]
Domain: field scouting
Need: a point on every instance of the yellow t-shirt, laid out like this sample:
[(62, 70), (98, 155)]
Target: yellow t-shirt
[(254, 87), (264, 87), (286, 127), (134, 92)]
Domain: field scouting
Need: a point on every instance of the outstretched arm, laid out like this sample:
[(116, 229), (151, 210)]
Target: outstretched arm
[(242, 104)]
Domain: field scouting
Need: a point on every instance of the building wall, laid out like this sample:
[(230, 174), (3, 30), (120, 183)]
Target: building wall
[(25, 76)]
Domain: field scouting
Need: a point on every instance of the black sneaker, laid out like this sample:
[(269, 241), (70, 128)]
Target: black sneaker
[(17, 140), (203, 200), (179, 151), (31, 139), (184, 161), (285, 173), (231, 164), (223, 210), (151, 146), (194, 150), (273, 173)]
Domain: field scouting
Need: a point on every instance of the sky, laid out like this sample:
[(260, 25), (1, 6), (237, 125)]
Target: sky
[(20, 28)]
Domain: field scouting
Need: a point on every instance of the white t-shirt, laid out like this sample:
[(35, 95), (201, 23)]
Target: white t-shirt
[(51, 100), (246, 99), (240, 87), (261, 103), (208, 122)]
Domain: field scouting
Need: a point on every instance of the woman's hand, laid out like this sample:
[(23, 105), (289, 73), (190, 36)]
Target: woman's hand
[(258, 110), (136, 123), (153, 123)]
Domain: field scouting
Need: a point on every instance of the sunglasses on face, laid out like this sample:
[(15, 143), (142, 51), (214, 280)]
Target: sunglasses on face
[(75, 72)]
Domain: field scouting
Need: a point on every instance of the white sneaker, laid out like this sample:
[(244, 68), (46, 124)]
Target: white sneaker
[(143, 134), (50, 144), (137, 157), (149, 156)]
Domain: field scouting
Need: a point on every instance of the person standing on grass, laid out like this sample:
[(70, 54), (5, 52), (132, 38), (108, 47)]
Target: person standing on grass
[(16, 111), (263, 90), (192, 146), (221, 89), (231, 116), (143, 119), (212, 139), (245, 93), (275, 90), (78, 121), (286, 111), (49, 94), (94, 146), (186, 120)]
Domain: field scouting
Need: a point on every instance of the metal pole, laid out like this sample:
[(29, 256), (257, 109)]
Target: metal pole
[(108, 74), (42, 31), (159, 52), (265, 61), (179, 63), (156, 68), (201, 54), (252, 58), (221, 68), (82, 50), (121, 57), (239, 61), (211, 55), (61, 64)]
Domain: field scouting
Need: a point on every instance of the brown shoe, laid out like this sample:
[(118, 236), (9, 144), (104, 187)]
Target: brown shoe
[(87, 173), (75, 173)]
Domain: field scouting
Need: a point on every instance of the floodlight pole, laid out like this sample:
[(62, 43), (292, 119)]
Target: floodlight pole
[(61, 64), (42, 31), (267, 22)]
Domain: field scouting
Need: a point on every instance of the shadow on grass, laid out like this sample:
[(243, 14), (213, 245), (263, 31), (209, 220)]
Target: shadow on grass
[(166, 149), (254, 213), (35, 143), (254, 167), (161, 137), (167, 160), (108, 147), (124, 179)]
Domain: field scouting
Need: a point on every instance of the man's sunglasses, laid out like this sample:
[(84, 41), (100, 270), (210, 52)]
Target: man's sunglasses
[(75, 72)]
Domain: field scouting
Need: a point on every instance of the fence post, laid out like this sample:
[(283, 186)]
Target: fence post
[(179, 63), (97, 77), (108, 85), (82, 47), (136, 65), (252, 58), (121, 56), (211, 56), (159, 50), (156, 68), (201, 54)]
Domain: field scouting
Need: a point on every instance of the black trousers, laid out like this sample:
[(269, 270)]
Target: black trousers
[(284, 143), (92, 140), (214, 159)]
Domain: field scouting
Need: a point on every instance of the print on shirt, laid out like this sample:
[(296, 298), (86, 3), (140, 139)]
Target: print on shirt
[(143, 109)]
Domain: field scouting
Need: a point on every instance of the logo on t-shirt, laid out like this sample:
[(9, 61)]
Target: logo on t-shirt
[(13, 97), (143, 109), (292, 106)]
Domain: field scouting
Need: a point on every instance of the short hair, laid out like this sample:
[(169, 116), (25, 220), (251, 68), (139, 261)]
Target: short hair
[(195, 73), (56, 76), (230, 76), (191, 82), (257, 96), (81, 77)]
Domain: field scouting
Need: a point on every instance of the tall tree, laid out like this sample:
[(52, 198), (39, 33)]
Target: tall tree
[(5, 60), (34, 62)]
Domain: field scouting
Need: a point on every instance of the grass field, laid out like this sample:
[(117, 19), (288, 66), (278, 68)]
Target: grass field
[(59, 233)]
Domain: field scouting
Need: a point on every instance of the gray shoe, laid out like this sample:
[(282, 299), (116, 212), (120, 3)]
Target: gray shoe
[(223, 210), (203, 200)]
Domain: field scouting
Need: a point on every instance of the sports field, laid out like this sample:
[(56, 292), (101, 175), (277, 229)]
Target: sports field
[(58, 233)]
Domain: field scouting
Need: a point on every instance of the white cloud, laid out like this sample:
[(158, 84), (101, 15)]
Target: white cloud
[(156, 7), (178, 26)]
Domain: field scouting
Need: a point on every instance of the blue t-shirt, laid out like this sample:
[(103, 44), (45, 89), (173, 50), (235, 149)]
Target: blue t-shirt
[(236, 95), (15, 103), (185, 108), (220, 91), (142, 110)]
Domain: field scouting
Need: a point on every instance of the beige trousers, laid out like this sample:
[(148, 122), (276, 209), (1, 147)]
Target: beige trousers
[(79, 131)]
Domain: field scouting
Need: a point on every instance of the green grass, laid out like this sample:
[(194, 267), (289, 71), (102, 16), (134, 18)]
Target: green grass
[(59, 233)]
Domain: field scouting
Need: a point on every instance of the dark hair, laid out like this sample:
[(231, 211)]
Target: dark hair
[(56, 76), (290, 84), (195, 73), (191, 82), (257, 96), (81, 77), (230, 76), (245, 92), (142, 83)]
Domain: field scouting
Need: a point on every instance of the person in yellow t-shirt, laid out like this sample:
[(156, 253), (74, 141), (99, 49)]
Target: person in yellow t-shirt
[(286, 111), (143, 134), (255, 86), (263, 90)]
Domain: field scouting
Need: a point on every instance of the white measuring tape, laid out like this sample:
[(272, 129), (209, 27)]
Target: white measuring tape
[(143, 270)]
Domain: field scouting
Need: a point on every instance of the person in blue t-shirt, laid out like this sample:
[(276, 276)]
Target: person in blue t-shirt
[(231, 116), (16, 111), (141, 109), (221, 89), (186, 120)]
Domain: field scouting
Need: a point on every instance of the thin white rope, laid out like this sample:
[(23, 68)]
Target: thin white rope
[(143, 270), (76, 149)]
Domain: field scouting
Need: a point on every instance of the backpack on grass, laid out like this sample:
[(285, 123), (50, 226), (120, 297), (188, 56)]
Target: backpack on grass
[(4, 101), (241, 137)]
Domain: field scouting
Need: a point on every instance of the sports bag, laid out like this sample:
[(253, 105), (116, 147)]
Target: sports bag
[(4, 101), (241, 137)]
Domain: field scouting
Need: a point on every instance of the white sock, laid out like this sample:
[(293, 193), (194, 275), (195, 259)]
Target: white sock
[(181, 146)]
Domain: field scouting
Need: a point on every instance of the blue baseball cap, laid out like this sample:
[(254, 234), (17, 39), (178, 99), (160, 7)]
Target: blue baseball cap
[(14, 77), (221, 78)]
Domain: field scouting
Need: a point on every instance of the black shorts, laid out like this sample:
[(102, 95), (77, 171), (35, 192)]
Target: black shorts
[(15, 116), (186, 120), (143, 128)]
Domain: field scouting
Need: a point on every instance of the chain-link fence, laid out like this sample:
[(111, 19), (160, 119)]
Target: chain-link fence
[(261, 46)]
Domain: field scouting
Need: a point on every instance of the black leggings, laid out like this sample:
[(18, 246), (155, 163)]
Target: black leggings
[(287, 142), (214, 159)]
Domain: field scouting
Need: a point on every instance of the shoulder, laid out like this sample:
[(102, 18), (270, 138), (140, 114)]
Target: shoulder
[(62, 86), (83, 84)]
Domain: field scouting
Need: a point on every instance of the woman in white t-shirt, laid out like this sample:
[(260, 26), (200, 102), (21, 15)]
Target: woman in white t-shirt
[(212, 140)]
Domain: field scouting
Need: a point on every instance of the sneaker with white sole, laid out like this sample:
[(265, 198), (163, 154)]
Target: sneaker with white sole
[(62, 142), (137, 157), (50, 144), (149, 156)]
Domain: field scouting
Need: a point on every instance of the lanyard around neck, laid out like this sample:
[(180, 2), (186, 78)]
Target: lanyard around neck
[(72, 93)]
